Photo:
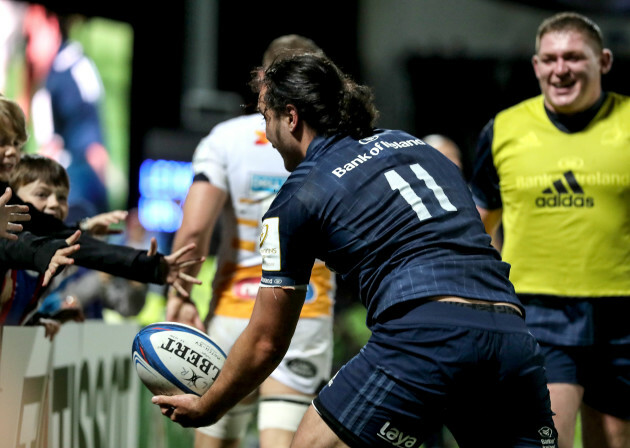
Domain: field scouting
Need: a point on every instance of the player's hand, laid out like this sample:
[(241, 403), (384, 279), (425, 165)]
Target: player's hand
[(183, 311), (101, 224), (9, 215), (183, 409), (62, 257)]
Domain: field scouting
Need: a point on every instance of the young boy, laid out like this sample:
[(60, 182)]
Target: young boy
[(42, 254), (44, 184)]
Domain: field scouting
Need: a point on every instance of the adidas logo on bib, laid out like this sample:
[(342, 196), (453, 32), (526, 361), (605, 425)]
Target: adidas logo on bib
[(565, 192)]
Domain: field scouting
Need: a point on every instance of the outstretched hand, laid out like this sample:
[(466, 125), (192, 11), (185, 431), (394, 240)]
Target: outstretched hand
[(101, 224), (61, 257), (9, 215), (175, 267)]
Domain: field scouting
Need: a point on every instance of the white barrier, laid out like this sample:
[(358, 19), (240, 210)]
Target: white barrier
[(79, 391)]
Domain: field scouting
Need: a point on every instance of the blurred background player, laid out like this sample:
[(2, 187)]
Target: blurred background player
[(446, 146), (64, 93), (551, 169), (237, 175)]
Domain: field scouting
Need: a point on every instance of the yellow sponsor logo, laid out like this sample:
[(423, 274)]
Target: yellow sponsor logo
[(263, 233)]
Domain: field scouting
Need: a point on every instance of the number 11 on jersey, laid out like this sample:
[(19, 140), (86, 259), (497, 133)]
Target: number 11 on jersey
[(405, 190)]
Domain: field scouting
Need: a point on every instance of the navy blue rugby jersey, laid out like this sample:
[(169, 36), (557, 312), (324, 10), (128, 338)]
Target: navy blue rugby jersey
[(389, 212)]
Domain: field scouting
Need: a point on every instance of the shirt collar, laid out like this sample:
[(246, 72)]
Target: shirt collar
[(576, 122)]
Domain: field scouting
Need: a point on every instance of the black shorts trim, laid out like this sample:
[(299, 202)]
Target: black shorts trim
[(305, 403), (346, 436)]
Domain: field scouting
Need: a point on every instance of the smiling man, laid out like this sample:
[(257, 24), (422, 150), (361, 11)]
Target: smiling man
[(554, 169)]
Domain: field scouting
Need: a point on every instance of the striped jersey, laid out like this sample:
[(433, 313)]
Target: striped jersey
[(237, 158), (389, 213)]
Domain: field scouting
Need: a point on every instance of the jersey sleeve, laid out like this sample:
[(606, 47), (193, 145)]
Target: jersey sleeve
[(209, 162), (287, 246), (484, 182)]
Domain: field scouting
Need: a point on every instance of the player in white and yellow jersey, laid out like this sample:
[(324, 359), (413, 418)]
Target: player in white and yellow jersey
[(555, 169), (237, 174)]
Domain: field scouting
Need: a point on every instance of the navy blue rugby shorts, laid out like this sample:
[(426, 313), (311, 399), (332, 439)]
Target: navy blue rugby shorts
[(603, 371), (479, 372), (586, 342)]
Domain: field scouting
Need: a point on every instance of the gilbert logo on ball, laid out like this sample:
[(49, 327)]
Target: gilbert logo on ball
[(173, 358)]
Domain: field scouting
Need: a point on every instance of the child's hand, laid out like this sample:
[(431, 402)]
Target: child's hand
[(100, 224), (62, 257), (9, 215), (175, 267)]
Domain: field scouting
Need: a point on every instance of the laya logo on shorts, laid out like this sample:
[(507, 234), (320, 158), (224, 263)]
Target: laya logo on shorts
[(396, 437)]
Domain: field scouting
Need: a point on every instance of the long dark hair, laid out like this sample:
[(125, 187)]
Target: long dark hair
[(326, 99)]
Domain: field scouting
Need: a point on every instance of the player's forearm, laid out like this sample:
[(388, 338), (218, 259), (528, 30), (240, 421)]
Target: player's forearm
[(258, 351), (250, 362), (202, 208)]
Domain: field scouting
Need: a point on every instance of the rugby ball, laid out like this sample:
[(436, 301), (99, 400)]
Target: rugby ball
[(172, 358)]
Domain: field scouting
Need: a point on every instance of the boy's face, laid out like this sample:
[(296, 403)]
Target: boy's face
[(46, 198), (9, 157)]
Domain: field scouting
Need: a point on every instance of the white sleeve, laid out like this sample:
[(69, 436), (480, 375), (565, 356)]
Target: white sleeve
[(209, 160)]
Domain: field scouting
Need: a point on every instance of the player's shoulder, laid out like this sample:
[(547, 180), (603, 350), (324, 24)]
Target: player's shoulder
[(240, 124), (70, 54), (526, 106), (619, 100), (329, 159), (513, 117), (235, 132)]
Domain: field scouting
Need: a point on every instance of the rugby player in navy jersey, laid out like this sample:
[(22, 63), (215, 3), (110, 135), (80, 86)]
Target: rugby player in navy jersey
[(449, 344)]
